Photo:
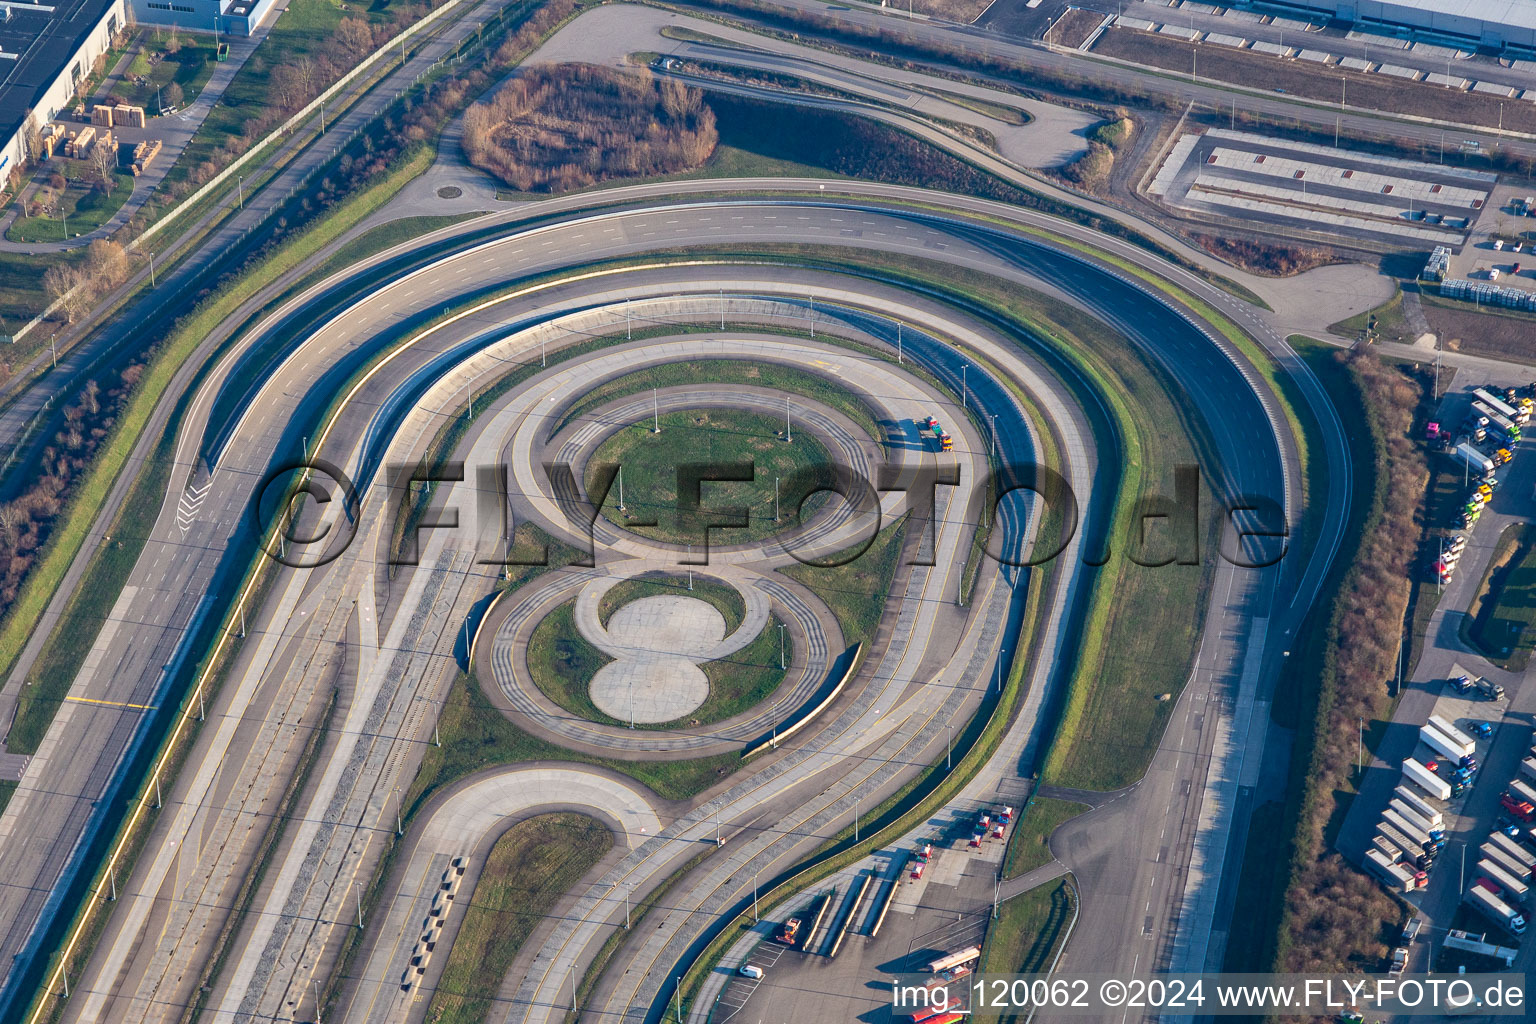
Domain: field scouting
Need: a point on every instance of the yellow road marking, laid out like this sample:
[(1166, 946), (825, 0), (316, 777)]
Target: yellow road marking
[(113, 703)]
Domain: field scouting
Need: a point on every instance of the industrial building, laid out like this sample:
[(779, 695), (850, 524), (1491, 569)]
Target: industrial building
[(1491, 24), (45, 53), (226, 17)]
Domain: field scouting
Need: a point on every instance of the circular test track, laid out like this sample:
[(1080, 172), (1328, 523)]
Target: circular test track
[(527, 293)]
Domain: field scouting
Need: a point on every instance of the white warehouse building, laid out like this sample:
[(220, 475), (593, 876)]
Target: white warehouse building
[(1495, 24)]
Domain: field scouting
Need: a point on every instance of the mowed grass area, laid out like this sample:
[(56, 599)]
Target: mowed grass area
[(1026, 934), (476, 735), (856, 590), (562, 663), (1040, 817), (1500, 620), (732, 371), (725, 442), (80, 209), (189, 67), (531, 866), (741, 681), (7, 790), (724, 599)]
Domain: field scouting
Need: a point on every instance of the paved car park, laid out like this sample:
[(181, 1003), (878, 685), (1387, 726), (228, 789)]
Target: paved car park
[(1296, 186)]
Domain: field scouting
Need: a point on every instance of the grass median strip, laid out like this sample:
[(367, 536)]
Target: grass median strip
[(530, 868), (1038, 819)]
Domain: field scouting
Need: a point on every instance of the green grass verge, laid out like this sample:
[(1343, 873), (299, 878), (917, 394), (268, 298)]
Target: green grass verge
[(856, 591), (7, 790), (1026, 935), (650, 463), (1030, 846), (724, 599), (532, 865), (84, 208), (748, 373)]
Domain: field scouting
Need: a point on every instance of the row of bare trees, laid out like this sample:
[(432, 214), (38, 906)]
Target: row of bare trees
[(1333, 916), (77, 286), (27, 519), (293, 83), (564, 127)]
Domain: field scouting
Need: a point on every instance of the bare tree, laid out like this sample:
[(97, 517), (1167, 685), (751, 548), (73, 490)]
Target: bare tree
[(66, 286), (104, 165), (31, 136)]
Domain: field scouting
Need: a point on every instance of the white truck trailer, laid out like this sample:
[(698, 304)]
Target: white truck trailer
[(1396, 877), (1409, 796), (1421, 839), (1468, 456), (1409, 848), (1497, 911), (1523, 790), (1528, 768), (1443, 744), (1408, 815), (1504, 860), (1412, 817), (1447, 729), (1514, 889), (1426, 780), (1520, 854)]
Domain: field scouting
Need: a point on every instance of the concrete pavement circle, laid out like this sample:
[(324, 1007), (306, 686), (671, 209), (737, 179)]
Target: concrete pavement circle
[(508, 627)]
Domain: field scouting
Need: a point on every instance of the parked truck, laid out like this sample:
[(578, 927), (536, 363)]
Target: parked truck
[(1389, 850), (1427, 810), (1496, 910), (1435, 829), (1528, 768), (1515, 891), (1426, 780), (1503, 429), (1490, 689), (1421, 839), (1491, 852), (1518, 853), (1407, 849), (1468, 456), (1522, 790), (1446, 728), (1518, 413), (1443, 744), (1396, 877)]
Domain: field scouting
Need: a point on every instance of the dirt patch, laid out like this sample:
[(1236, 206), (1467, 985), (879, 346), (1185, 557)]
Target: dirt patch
[(1462, 327), (963, 11), (1376, 91), (1265, 257), (1074, 27)]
